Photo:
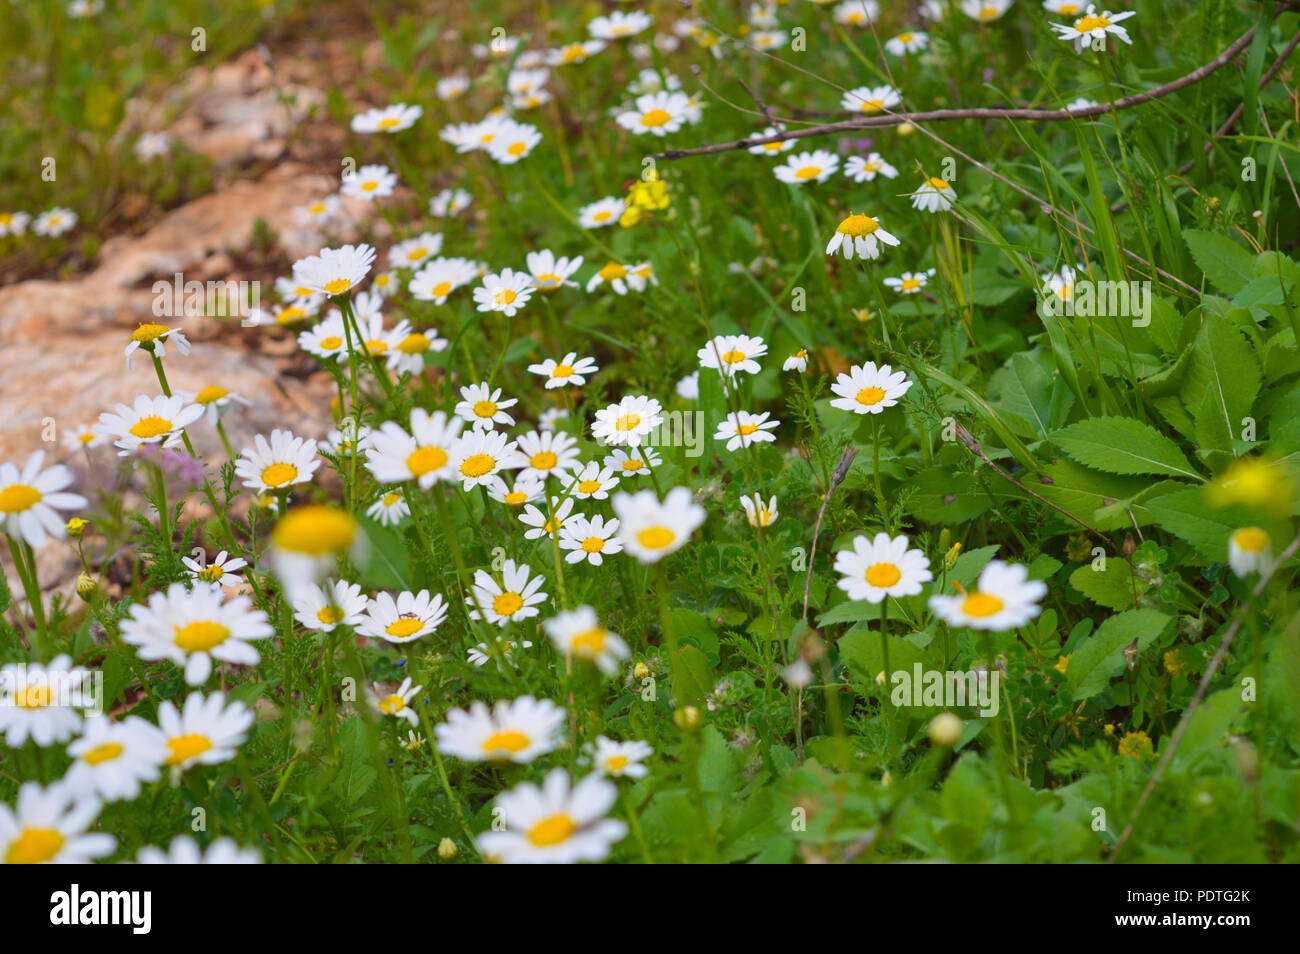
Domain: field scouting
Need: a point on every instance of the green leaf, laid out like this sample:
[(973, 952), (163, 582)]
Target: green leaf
[(860, 650), (1111, 587), (1186, 515), (1222, 382), (1024, 392), (1101, 657), (1121, 445), (357, 775), (1225, 263)]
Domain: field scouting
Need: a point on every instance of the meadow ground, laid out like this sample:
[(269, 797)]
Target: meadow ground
[(710, 432)]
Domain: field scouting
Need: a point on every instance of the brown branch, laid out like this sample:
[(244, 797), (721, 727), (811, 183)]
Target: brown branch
[(997, 112), (1201, 689)]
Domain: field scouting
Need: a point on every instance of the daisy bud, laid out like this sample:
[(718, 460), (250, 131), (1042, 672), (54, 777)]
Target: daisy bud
[(950, 558), (86, 586), (687, 718), (945, 729), (640, 671), (447, 849), (906, 129)]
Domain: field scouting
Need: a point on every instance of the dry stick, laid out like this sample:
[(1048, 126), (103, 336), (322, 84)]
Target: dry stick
[(974, 447), (1199, 695), (837, 478), (944, 115), (1232, 117)]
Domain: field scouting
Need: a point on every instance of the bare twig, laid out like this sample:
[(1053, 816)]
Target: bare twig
[(837, 478), (1201, 689)]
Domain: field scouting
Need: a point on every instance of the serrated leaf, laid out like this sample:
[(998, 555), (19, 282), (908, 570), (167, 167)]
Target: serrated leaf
[(1225, 263), (1101, 656), (1112, 587), (1024, 395), (1222, 381), (1121, 445)]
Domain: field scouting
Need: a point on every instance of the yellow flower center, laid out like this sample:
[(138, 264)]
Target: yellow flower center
[(733, 357), (981, 604), (744, 430), (588, 486), (505, 296), (574, 53), (632, 464), (200, 636), (561, 371), (290, 315), (905, 38), (35, 846), (602, 216), (1086, 24), (556, 829), (808, 172), (1068, 9), (485, 408), (150, 426), (544, 460), (404, 627), (627, 422), (507, 604), (315, 530), (389, 122), (391, 499), (369, 186), (182, 748), (149, 332), (593, 544), (612, 271), (589, 643), (376, 346), (211, 574), (506, 741), (858, 225), (415, 254), (517, 148), (441, 289), (103, 753), (211, 393), (332, 342), (18, 497), (277, 475), (935, 182), (337, 286), (872, 105), (516, 498), (883, 575), (34, 697), (1251, 539), (549, 280), (330, 615), (655, 118), (425, 460), (391, 705), (910, 284), (476, 465), (655, 538), (414, 344), (87, 437), (616, 763), (870, 396)]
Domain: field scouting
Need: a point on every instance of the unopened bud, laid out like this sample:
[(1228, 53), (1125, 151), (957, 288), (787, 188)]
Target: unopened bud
[(86, 586), (945, 729), (447, 849), (687, 718)]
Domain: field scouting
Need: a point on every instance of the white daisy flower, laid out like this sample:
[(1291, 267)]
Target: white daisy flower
[(390, 119), (908, 42), (549, 272), (525, 490), (619, 25), (1003, 599), (689, 387), (541, 454), (866, 389), (157, 420), (910, 283), (1091, 29), (323, 607), (621, 759), (934, 195), (628, 421), (589, 539), (426, 454), (880, 567), (326, 340), (865, 170), (618, 277), (205, 731), (541, 524), (857, 13), (656, 113), (397, 703), (517, 731), (771, 148), (13, 223), (506, 291), (31, 498), (39, 702), (797, 361), (861, 235), (49, 826), (54, 222), (480, 455), (513, 142), (390, 509), (193, 627), (579, 635), (184, 850), (1249, 551), (80, 438), (731, 354), (601, 213), (985, 11), (550, 419), (1061, 284), (806, 167), (277, 464), (740, 429), (449, 203), (404, 620), (483, 407), (593, 481), (479, 655), (515, 598), (307, 542), (574, 53), (569, 370), (335, 271), (414, 252), (222, 571), (111, 759), (321, 213), (555, 824), (759, 514), (342, 443), (651, 80), (152, 338), (383, 284), (871, 99), (632, 464), (440, 278), (376, 340), (370, 182), (215, 401), (641, 275), (651, 530), (451, 87)]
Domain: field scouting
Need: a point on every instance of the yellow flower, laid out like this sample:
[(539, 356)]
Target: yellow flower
[(1255, 482), (1136, 745), (644, 198), (77, 526), (1062, 663), (1110, 728), (1174, 662)]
